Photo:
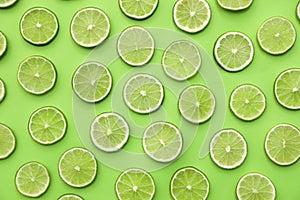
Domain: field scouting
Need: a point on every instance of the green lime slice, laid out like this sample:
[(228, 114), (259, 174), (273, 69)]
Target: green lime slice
[(90, 27), (233, 51), (37, 75), (32, 179), (92, 82), (109, 132), (189, 184), (255, 186), (3, 43), (7, 3), (77, 167), (282, 144), (235, 5), (47, 125), (162, 141), (2, 90), (70, 197), (247, 102), (39, 26), (143, 93), (276, 35), (138, 9), (7, 142), (181, 60), (298, 10), (287, 89), (196, 104), (135, 46), (135, 184), (228, 149), (191, 16)]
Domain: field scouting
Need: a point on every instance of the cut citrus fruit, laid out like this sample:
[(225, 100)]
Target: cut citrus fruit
[(135, 46), (235, 5), (247, 102), (298, 10), (92, 82), (228, 149), (32, 179), (90, 27), (2, 90), (276, 35), (39, 26), (287, 89), (7, 141), (37, 75), (234, 51), (138, 9), (3, 43), (255, 186), (143, 93), (282, 144), (7, 3), (162, 141), (181, 60), (109, 132), (135, 184), (70, 197), (191, 15), (196, 104), (189, 183), (47, 125), (77, 167)]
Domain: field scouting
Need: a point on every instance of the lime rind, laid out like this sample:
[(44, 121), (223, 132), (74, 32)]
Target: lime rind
[(3, 44), (7, 3), (127, 7), (2, 90), (6, 148), (235, 5), (298, 10), (70, 197)]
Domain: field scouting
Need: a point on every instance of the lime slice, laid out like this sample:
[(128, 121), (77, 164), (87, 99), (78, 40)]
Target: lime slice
[(39, 26), (7, 141), (276, 35), (2, 90), (287, 89), (47, 125), (235, 5), (282, 144), (143, 93), (228, 149), (70, 197), (92, 82), (3, 43), (135, 46), (298, 10), (77, 167), (7, 3), (189, 183), (37, 75), (247, 102), (109, 132), (191, 15), (162, 141), (254, 186), (181, 60), (138, 9), (90, 27), (32, 179), (135, 184), (234, 51), (196, 104)]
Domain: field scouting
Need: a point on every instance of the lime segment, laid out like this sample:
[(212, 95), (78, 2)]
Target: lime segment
[(7, 3), (2, 90), (235, 5), (138, 9), (70, 197), (3, 44), (7, 142)]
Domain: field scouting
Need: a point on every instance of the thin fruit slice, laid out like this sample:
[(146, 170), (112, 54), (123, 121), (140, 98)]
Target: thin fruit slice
[(90, 27), (143, 93), (77, 167), (228, 149), (282, 144), (135, 184), (255, 186), (135, 46), (138, 9), (234, 51), (191, 15), (298, 10), (7, 3), (32, 179), (109, 132), (196, 104), (37, 75), (3, 43), (2, 90), (92, 82), (276, 35), (47, 125), (70, 197), (7, 141), (235, 5), (189, 183), (287, 89), (181, 60), (247, 102), (162, 141), (39, 26)]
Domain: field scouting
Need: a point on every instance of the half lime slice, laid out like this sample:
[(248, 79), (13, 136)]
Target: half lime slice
[(70, 197), (7, 3), (2, 90), (138, 9), (235, 5), (7, 142), (3, 43)]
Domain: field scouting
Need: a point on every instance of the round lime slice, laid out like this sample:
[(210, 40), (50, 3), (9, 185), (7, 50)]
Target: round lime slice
[(7, 3), (138, 9), (70, 197), (298, 10), (7, 142), (3, 43), (235, 5), (2, 90)]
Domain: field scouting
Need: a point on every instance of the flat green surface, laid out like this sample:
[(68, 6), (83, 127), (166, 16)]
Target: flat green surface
[(18, 105)]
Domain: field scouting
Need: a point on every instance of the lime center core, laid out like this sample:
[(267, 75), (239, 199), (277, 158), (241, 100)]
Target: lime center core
[(181, 60), (135, 188), (247, 101), (192, 13), (143, 93), (90, 27), (189, 187), (77, 168), (228, 149), (277, 35), (109, 132), (162, 142), (295, 89), (36, 75), (234, 51), (38, 25)]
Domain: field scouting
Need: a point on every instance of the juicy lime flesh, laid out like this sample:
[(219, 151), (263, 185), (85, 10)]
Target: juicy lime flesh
[(3, 43), (70, 197), (7, 142), (235, 4), (2, 90), (138, 9)]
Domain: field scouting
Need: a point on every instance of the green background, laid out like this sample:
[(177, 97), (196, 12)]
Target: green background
[(18, 105)]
